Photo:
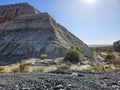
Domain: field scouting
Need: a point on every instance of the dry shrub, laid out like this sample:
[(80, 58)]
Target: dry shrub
[(1, 68), (15, 70), (43, 56), (23, 68), (39, 69), (63, 67), (102, 68)]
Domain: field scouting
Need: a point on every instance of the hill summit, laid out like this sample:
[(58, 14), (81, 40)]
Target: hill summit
[(26, 32)]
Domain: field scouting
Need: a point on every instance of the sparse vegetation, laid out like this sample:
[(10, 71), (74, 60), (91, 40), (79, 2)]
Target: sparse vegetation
[(63, 67), (66, 66), (28, 66), (23, 68), (101, 68), (109, 56), (39, 69), (1, 68), (117, 62), (72, 55), (105, 68), (107, 49), (43, 56), (15, 70)]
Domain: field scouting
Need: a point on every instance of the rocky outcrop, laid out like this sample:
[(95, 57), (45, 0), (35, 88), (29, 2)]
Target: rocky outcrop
[(116, 46), (8, 12), (25, 32)]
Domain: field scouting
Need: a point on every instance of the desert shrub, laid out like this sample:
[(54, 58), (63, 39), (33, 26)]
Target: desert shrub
[(43, 56), (97, 68), (110, 56), (74, 69), (39, 69), (117, 62), (68, 63), (63, 67), (15, 70), (1, 68), (102, 68), (23, 68), (72, 55)]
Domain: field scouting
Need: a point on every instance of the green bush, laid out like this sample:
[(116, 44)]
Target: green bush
[(72, 55), (43, 56), (110, 56)]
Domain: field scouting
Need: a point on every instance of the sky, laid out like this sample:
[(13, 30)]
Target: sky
[(92, 21)]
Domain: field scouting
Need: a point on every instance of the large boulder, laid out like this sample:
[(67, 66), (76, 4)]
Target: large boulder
[(27, 33), (116, 46)]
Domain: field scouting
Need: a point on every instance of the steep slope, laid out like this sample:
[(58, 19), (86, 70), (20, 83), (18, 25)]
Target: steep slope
[(8, 12), (25, 32)]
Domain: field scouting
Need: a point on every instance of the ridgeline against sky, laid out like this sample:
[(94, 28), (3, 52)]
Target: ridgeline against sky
[(93, 21)]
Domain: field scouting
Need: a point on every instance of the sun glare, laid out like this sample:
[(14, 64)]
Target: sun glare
[(90, 1)]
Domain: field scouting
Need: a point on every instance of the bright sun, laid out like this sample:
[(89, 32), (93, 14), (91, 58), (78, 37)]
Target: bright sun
[(89, 1)]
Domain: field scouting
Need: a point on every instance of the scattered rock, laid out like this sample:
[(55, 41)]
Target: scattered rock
[(59, 87), (74, 74), (68, 88), (51, 81), (81, 75)]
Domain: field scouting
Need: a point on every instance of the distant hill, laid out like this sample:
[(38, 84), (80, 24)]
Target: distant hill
[(99, 45)]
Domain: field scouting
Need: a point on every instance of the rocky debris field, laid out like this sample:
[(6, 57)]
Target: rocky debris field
[(60, 80)]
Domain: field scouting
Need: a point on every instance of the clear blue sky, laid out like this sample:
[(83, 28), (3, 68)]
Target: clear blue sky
[(93, 21)]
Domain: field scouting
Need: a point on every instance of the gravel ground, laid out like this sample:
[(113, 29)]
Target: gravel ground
[(60, 80)]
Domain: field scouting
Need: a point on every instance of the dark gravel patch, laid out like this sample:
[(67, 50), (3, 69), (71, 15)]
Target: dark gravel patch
[(60, 81)]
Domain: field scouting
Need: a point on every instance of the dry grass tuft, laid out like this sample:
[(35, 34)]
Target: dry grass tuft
[(38, 69), (104, 68)]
